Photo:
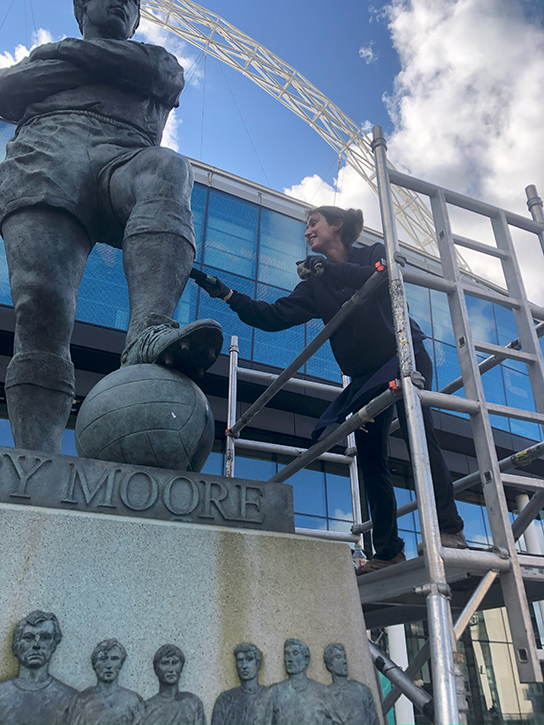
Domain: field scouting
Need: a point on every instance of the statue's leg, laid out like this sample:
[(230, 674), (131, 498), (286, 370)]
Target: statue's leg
[(151, 195), (46, 251)]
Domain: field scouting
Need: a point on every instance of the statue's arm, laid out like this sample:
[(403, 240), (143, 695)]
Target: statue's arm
[(149, 69), (31, 81)]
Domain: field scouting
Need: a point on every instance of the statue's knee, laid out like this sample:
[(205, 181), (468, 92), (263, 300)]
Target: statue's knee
[(163, 166), (30, 303)]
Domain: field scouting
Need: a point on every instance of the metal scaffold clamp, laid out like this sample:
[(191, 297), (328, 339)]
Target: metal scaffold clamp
[(432, 588)]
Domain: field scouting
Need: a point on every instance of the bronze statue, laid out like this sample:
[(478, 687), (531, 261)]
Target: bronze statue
[(354, 701), (107, 703), (300, 700), (33, 696), (250, 703), (85, 166), (170, 706)]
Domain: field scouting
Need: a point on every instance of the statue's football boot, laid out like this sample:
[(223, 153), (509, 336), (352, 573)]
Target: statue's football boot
[(191, 349)]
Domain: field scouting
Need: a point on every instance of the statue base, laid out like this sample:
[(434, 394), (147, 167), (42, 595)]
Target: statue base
[(203, 588)]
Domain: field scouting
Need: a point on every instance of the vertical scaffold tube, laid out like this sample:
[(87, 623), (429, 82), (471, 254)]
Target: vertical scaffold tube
[(231, 413), (534, 203), (439, 615), (354, 474)]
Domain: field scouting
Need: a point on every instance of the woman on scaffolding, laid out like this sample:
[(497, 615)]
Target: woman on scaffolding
[(365, 349)]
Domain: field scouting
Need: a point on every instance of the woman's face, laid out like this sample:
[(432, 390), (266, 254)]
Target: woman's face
[(321, 235)]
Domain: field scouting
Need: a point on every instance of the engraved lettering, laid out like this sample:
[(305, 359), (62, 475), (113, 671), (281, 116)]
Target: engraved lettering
[(193, 492), (24, 475), (152, 496), (215, 498), (106, 480), (245, 515)]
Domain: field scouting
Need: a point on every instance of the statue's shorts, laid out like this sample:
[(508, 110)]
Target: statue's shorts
[(66, 160)]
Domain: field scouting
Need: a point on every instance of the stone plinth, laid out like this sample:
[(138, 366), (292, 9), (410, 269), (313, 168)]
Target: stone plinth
[(82, 484), (204, 588)]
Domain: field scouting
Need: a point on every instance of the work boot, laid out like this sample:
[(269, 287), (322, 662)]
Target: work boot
[(375, 564), (448, 541), (191, 349)]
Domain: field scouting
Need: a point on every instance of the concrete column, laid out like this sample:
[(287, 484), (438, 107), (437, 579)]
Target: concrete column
[(532, 542), (404, 710)]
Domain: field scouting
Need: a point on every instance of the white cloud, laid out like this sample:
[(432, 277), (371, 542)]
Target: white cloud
[(467, 108), (170, 133), (21, 51), (349, 191), (468, 98), (366, 52), (468, 104)]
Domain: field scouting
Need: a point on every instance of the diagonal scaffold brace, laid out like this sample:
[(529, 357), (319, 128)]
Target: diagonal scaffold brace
[(360, 297)]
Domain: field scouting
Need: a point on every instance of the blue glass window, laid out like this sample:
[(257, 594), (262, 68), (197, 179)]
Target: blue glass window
[(520, 395), (475, 529), (69, 442), (506, 324), (103, 293), (198, 207), (276, 348), (322, 363), (214, 464), (5, 294), (342, 526), (447, 369), (309, 492), (493, 384), (186, 310), (6, 439), (339, 497), (218, 310), (281, 245), (231, 234), (310, 522), (507, 331), (410, 543), (256, 469), (442, 326), (404, 496), (419, 305), (482, 320)]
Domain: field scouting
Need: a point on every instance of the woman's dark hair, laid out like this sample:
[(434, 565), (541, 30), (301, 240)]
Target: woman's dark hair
[(79, 7), (352, 221)]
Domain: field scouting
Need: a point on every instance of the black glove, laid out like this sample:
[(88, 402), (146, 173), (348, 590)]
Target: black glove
[(314, 264), (212, 285)]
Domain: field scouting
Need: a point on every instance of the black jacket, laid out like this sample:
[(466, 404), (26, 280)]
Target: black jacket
[(366, 340)]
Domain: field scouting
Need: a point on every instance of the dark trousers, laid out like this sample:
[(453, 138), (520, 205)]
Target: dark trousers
[(372, 453)]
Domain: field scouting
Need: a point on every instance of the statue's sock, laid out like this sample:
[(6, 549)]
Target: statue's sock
[(40, 389)]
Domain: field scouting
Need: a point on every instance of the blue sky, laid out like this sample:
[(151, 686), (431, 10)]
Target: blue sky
[(457, 84), (320, 38)]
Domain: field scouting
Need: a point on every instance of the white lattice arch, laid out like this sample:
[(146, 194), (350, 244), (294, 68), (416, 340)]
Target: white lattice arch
[(216, 36)]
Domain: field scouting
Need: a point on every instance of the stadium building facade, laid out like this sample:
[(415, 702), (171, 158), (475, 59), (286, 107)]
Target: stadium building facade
[(251, 237)]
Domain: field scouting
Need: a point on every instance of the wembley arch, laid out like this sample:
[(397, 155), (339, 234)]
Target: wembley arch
[(217, 37)]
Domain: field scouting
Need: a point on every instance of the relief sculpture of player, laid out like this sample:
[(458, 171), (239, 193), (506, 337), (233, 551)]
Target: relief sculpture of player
[(85, 166), (34, 696)]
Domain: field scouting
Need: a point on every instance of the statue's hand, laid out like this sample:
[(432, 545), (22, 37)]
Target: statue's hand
[(47, 51)]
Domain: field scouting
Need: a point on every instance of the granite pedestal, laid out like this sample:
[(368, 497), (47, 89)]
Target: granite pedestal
[(204, 588)]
